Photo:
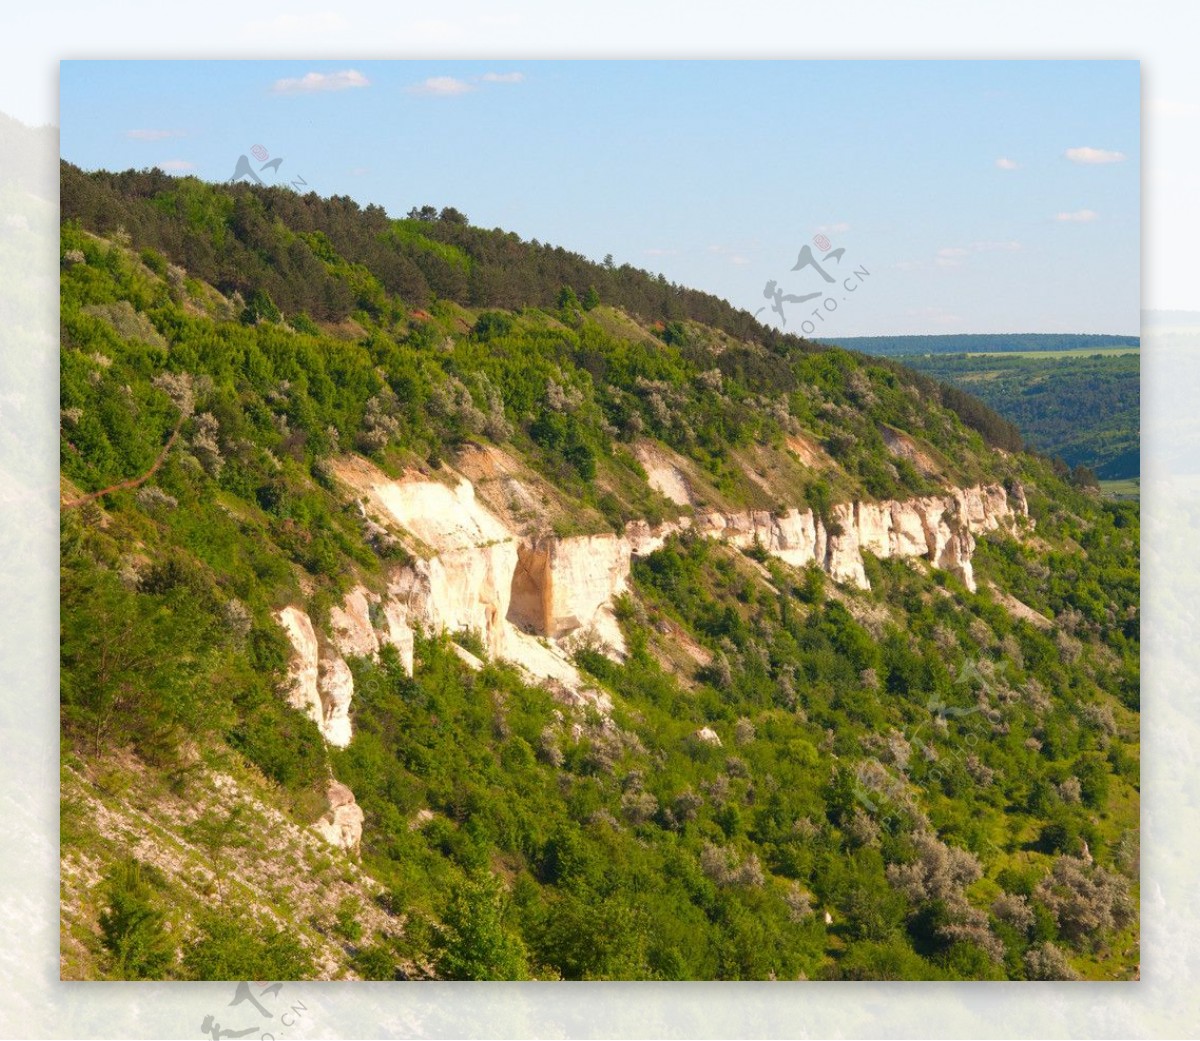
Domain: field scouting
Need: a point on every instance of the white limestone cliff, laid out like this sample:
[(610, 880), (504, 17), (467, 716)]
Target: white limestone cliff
[(351, 626), (304, 668), (320, 684), (528, 600)]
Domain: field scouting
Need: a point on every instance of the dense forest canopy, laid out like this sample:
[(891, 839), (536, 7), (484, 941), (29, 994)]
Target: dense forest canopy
[(1083, 409)]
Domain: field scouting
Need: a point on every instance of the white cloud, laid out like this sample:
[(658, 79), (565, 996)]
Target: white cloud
[(1078, 217), (950, 256), (736, 253), (503, 77), (833, 229), (176, 165), (953, 256), (1004, 163), (1007, 246), (1093, 155), (318, 82), (152, 135), (441, 86)]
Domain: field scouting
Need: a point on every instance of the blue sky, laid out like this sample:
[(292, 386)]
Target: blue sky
[(980, 196)]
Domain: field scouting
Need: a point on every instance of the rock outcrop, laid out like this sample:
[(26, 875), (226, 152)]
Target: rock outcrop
[(524, 597), (529, 599), (342, 823), (939, 528), (320, 684), (562, 585), (353, 632)]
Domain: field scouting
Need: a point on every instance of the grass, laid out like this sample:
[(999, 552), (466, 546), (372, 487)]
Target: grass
[(1125, 488)]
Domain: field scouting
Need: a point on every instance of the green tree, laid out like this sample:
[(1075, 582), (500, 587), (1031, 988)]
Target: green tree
[(233, 947), (133, 928), (474, 942), (260, 307)]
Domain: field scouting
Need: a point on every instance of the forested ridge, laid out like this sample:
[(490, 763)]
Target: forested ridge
[(975, 343), (1082, 409), (914, 781)]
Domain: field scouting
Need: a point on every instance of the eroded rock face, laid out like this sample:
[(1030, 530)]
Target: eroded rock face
[(337, 691), (304, 670), (561, 586), (321, 685), (529, 600), (342, 822), (938, 528), (399, 632), (351, 626)]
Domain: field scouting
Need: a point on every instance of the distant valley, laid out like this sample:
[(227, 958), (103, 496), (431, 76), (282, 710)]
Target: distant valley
[(1073, 397)]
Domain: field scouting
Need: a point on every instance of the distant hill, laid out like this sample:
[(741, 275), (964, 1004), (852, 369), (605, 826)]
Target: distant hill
[(973, 343), (1082, 408)]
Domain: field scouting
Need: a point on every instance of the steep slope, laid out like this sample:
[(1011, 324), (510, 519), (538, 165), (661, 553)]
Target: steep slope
[(568, 640)]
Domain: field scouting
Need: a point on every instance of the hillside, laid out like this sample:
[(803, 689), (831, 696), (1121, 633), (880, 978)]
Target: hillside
[(1081, 408), (534, 618)]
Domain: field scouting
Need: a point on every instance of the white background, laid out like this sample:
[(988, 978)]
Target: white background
[(1166, 1003)]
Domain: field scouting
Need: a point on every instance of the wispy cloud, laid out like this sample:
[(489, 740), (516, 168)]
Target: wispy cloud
[(834, 229), (441, 86), (950, 256), (1004, 163), (320, 82), (1003, 246), (503, 77), (152, 135), (955, 256), (737, 254), (176, 165), (1094, 155), (1077, 217)]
